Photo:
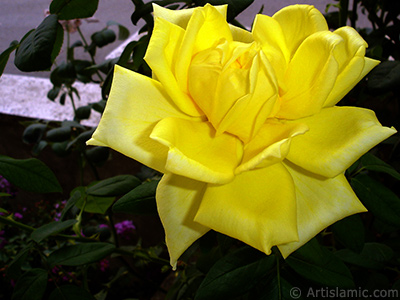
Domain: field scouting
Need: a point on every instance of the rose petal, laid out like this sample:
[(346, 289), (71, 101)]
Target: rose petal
[(195, 151), (338, 136), (352, 67), (178, 199), (161, 56), (181, 17), (270, 145), (268, 33), (135, 105), (310, 76), (205, 28), (320, 203), (298, 22), (258, 207)]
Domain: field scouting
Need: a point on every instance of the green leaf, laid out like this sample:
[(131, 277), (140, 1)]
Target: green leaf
[(31, 285), (384, 77), (14, 268), (53, 93), (123, 32), (103, 37), (70, 292), (80, 254), (372, 163), (60, 134), (114, 186), (275, 290), (378, 199), (140, 200), (320, 265), (36, 51), (98, 155), (73, 9), (5, 55), (33, 133), (235, 274), (81, 139), (92, 204), (83, 113), (49, 229), (99, 106), (29, 174), (353, 239), (75, 196), (373, 256)]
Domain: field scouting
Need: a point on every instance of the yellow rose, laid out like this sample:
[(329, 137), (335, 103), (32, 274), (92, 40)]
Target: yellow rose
[(244, 125)]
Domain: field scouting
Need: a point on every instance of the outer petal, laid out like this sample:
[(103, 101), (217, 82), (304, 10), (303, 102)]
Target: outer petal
[(162, 54), (178, 199), (181, 17), (298, 22), (205, 28), (353, 65), (320, 203), (135, 105), (195, 151), (258, 208), (338, 136), (270, 145), (310, 76)]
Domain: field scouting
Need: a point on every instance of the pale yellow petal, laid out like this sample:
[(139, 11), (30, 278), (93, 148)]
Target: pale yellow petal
[(270, 145), (310, 76), (178, 199), (338, 136), (258, 208), (181, 17), (353, 65), (162, 55), (320, 203), (195, 151), (298, 22), (135, 105)]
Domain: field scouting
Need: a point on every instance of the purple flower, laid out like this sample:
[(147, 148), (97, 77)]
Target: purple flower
[(124, 228), (18, 215)]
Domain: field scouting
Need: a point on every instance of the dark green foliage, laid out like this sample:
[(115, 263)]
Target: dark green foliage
[(38, 49)]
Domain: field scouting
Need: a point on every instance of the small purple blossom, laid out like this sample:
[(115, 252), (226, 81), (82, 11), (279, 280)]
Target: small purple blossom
[(104, 264), (124, 228), (17, 215), (5, 186)]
